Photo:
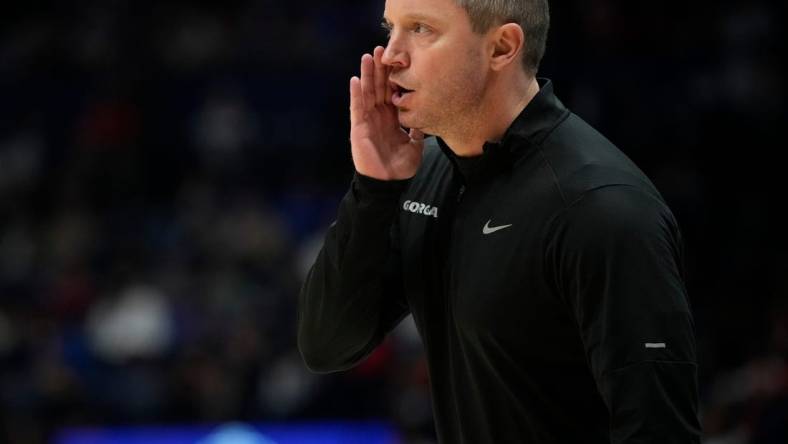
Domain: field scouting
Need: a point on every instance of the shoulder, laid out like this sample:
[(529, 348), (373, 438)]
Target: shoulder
[(614, 217), (583, 160), (617, 204)]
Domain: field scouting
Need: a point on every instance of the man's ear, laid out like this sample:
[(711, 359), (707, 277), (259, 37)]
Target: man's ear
[(507, 44)]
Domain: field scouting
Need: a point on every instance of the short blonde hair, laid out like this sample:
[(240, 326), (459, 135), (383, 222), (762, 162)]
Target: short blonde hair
[(532, 15)]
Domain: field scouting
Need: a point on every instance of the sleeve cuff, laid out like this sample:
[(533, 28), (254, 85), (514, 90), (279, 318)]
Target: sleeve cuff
[(365, 187)]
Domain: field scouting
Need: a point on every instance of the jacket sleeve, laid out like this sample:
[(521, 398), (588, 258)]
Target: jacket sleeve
[(616, 259), (352, 295)]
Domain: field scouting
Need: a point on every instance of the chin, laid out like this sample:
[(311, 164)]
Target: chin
[(408, 119)]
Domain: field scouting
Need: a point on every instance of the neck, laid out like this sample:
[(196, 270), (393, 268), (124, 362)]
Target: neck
[(500, 106)]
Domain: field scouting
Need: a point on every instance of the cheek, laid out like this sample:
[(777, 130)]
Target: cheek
[(463, 82), (449, 76), (445, 72), (456, 68)]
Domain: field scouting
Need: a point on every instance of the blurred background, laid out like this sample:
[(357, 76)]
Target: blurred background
[(168, 170)]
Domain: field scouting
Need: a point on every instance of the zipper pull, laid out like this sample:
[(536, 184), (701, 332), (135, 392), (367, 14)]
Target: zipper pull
[(460, 192)]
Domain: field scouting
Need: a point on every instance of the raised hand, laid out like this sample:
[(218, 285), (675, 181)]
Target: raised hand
[(381, 148)]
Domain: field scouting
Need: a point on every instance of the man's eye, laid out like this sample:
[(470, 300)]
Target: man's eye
[(420, 29)]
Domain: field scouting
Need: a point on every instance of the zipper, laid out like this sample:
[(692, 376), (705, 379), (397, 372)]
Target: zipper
[(460, 192), (449, 286), (453, 249), (449, 244)]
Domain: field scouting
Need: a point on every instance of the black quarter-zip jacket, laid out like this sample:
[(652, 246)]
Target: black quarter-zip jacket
[(545, 279)]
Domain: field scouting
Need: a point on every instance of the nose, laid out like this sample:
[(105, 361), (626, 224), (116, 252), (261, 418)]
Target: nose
[(395, 54)]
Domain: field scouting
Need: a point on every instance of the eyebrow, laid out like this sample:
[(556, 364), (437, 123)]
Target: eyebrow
[(386, 23)]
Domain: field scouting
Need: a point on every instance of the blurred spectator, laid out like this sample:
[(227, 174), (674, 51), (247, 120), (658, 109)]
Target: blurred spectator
[(134, 324)]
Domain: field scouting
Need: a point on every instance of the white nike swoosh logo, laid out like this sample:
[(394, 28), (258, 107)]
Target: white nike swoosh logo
[(489, 230)]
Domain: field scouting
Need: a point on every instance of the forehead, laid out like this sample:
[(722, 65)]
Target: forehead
[(443, 10)]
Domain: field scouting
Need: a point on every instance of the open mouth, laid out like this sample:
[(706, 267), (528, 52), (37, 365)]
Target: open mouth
[(399, 93)]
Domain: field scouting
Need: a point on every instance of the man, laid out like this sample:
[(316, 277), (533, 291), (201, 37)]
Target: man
[(541, 266)]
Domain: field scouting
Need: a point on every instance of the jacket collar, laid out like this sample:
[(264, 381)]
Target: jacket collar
[(529, 129)]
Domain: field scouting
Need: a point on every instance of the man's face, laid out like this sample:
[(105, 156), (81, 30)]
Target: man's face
[(433, 52)]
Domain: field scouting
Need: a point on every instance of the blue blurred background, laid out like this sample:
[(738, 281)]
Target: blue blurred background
[(168, 169)]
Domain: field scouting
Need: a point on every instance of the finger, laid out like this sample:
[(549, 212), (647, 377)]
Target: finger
[(356, 101), (381, 79), (389, 90), (368, 81)]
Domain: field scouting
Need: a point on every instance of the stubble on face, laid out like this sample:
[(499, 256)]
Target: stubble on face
[(459, 95), (451, 96)]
